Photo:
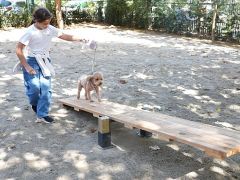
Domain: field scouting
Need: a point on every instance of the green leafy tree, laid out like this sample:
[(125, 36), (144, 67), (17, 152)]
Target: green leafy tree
[(141, 10), (116, 11)]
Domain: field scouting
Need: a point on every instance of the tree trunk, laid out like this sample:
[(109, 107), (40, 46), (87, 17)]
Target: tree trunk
[(214, 20), (148, 24), (59, 14)]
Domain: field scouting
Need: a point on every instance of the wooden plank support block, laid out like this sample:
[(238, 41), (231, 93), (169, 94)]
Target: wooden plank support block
[(104, 133)]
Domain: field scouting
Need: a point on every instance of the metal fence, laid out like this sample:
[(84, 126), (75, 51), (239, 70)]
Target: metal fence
[(186, 19)]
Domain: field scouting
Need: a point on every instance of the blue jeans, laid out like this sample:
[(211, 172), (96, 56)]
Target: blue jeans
[(38, 88)]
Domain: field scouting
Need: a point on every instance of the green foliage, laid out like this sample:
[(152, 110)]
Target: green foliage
[(99, 9), (15, 19), (141, 13), (91, 10), (85, 12), (50, 5), (116, 12), (196, 17), (164, 16), (177, 16)]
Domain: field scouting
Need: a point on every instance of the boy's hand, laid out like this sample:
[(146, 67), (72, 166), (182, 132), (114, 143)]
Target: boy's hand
[(30, 70), (84, 40)]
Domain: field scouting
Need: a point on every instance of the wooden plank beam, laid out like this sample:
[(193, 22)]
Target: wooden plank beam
[(215, 141)]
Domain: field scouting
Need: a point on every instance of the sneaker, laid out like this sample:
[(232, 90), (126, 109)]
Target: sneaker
[(46, 119), (39, 120), (34, 108)]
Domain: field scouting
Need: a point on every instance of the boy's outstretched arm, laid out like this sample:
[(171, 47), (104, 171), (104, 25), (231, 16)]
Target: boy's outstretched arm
[(68, 37)]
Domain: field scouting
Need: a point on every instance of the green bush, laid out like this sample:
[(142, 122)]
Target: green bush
[(51, 7), (116, 12), (141, 13), (15, 19), (85, 12), (99, 14)]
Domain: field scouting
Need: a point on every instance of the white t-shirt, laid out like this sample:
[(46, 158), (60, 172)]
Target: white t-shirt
[(39, 41)]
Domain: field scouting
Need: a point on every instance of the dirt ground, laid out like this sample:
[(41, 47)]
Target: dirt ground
[(188, 78)]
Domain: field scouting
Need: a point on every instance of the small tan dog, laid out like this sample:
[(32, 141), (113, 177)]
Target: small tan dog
[(90, 83)]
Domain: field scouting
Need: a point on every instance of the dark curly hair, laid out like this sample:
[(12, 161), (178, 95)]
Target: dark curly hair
[(41, 14)]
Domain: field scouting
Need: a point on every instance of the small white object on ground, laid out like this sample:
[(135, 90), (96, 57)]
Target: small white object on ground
[(154, 148)]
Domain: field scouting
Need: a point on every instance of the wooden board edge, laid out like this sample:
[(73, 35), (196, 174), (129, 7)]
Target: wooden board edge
[(96, 115), (76, 108), (233, 151), (216, 154), (163, 137), (129, 126)]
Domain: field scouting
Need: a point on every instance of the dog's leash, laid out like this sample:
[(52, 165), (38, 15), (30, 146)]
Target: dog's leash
[(92, 45), (94, 60)]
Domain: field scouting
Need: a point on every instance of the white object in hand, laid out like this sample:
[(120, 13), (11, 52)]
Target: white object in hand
[(90, 44), (17, 67), (45, 65), (93, 45)]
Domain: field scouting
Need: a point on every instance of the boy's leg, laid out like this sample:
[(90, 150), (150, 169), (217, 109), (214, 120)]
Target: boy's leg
[(45, 97), (32, 85)]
